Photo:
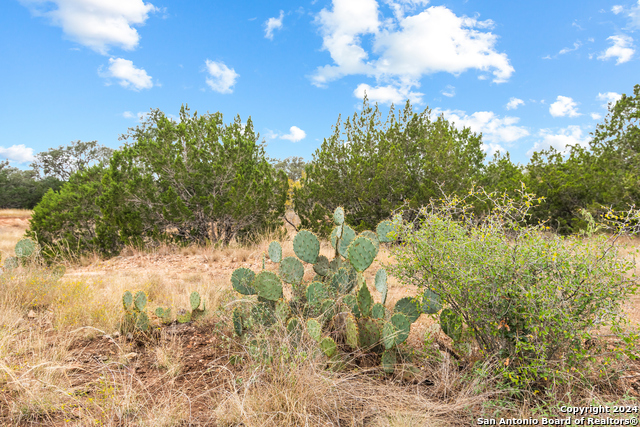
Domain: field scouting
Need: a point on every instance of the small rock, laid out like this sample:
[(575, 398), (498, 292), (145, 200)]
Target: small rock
[(116, 334), (31, 314), (107, 337), (235, 259), (130, 356)]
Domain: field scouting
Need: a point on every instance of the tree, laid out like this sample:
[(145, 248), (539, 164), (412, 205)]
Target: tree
[(196, 180), (63, 161), (293, 166), (19, 189), (371, 168)]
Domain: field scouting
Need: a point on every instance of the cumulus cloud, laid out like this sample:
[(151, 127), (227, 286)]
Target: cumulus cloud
[(128, 115), (564, 106), (273, 24), (495, 130), (405, 47), (514, 103), (388, 94), (622, 49), (97, 24), (295, 134), (571, 135), (608, 97), (221, 78), (596, 116), (128, 75), (17, 153), (617, 9)]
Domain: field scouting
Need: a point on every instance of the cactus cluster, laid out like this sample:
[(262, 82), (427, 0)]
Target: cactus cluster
[(24, 249), (340, 312), (135, 314)]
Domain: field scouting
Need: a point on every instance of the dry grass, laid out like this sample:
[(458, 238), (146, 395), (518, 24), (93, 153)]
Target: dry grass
[(61, 362)]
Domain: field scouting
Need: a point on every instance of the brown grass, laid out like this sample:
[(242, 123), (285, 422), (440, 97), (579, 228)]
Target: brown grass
[(62, 361)]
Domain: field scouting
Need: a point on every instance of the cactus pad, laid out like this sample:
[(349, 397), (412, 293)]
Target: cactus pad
[(293, 325), (306, 246), (361, 253), (291, 270), (381, 284), (242, 280), (408, 307), (316, 292), (314, 328), (140, 300), (263, 314), (183, 316), (321, 266), (194, 300), (328, 346), (237, 322), (377, 311), (348, 234), (351, 331), (388, 361), (451, 324), (368, 332), (431, 303), (127, 300), (25, 248), (338, 215), (373, 237), (275, 252), (352, 302), (402, 326), (11, 263), (283, 311), (389, 334), (142, 321), (383, 229), (364, 301), (268, 285)]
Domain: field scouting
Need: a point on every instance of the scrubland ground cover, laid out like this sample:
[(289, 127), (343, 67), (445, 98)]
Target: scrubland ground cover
[(63, 360)]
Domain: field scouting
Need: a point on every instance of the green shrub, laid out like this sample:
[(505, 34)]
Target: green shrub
[(371, 168), (534, 299)]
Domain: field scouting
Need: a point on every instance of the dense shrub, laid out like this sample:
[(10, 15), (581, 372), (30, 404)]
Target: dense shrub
[(531, 298), (370, 168)]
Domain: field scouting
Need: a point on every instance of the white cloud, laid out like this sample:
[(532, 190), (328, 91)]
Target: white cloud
[(617, 9), (130, 77), (273, 24), (495, 130), (221, 78), (17, 153), (449, 91), (405, 47), (596, 116), (295, 134), (571, 135), (608, 97), (97, 24), (576, 46), (388, 94), (622, 49), (514, 103), (128, 115), (564, 106)]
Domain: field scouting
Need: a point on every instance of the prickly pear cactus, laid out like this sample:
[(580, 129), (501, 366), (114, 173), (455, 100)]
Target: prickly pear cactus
[(11, 263), (337, 302), (136, 318), (25, 248)]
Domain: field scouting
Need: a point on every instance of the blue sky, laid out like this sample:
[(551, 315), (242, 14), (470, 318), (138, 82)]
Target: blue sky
[(528, 75)]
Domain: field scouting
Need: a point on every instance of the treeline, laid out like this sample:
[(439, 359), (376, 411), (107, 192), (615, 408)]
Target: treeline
[(198, 180)]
